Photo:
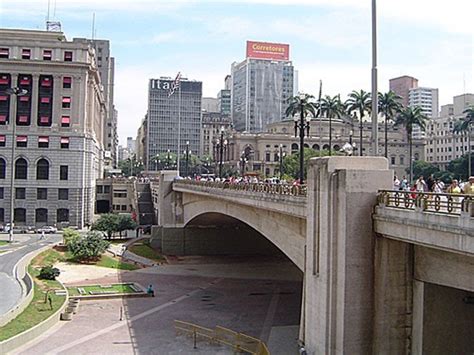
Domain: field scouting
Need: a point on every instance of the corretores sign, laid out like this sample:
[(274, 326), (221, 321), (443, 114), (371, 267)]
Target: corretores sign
[(266, 50)]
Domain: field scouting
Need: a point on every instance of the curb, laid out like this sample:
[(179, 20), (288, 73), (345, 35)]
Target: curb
[(37, 330)]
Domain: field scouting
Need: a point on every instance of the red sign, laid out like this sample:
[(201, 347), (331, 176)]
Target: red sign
[(265, 50)]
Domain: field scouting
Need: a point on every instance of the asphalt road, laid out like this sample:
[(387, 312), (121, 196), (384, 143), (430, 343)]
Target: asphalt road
[(10, 287)]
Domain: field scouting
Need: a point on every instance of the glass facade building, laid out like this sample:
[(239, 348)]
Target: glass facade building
[(260, 92), (167, 113)]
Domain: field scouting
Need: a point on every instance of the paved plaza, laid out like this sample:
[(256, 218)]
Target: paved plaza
[(258, 297)]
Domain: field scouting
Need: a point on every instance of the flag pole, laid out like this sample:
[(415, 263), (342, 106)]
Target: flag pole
[(179, 129)]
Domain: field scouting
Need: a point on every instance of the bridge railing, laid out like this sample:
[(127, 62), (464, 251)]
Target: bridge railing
[(275, 189), (451, 204)]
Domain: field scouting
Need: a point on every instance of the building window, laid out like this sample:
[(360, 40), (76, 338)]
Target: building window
[(21, 169), (3, 119), (124, 207), (63, 194), (64, 142), (68, 56), (47, 54), (21, 141), (66, 102), (3, 168), (62, 215), (294, 148), (42, 170), (392, 160), (43, 142), (99, 189), (4, 52), (2, 215), (267, 156), (402, 160), (41, 215), (44, 121), (65, 121), (41, 194), (106, 189), (25, 53), (1, 193), (20, 193), (23, 120), (67, 81), (46, 82), (2, 140), (19, 215), (63, 172)]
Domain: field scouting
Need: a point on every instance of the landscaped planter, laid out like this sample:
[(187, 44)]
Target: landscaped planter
[(66, 315)]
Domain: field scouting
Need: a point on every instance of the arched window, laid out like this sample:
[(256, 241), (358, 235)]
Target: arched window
[(326, 147), (62, 215), (19, 215), (3, 168), (315, 146), (41, 215), (42, 170), (336, 148), (306, 145), (21, 169), (2, 215), (294, 148), (417, 156)]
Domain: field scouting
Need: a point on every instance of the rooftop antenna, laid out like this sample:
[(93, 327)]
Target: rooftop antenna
[(52, 26)]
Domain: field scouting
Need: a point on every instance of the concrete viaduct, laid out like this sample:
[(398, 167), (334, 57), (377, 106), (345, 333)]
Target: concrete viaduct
[(384, 272)]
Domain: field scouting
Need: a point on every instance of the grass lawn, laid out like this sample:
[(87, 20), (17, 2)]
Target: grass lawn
[(146, 251), (113, 263), (3, 242), (53, 256), (117, 288), (38, 310)]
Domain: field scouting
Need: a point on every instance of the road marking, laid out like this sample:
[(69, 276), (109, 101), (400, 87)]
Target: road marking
[(272, 308), (134, 318)]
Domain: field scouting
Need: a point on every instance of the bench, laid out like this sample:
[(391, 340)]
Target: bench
[(135, 288), (81, 291), (101, 292)]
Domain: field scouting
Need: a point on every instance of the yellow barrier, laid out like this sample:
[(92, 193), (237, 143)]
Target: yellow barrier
[(238, 341)]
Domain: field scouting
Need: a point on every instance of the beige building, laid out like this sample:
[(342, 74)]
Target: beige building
[(262, 150), (60, 125), (402, 86), (212, 124), (442, 144)]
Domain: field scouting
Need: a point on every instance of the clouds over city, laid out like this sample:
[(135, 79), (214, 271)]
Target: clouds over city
[(329, 39)]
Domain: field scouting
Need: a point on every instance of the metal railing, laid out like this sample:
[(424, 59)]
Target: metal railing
[(452, 204), (237, 341), (275, 189)]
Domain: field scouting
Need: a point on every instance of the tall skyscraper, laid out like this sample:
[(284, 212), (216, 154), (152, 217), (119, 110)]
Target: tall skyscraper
[(106, 66), (426, 99), (59, 139), (224, 102), (169, 115), (261, 86), (401, 86)]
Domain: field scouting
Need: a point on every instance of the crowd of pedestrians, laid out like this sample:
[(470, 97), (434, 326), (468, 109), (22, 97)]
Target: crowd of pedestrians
[(434, 185)]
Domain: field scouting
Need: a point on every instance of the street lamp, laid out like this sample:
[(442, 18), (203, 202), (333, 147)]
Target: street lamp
[(168, 160), (17, 92), (302, 125), (280, 156), (187, 152), (243, 161), (221, 143)]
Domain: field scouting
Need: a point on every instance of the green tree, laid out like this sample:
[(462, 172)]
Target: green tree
[(88, 247), (165, 160), (304, 106), (291, 162), (421, 167), (360, 102), (409, 118), (70, 235), (108, 223), (331, 107), (389, 105), (125, 222), (131, 166), (459, 168), (466, 127)]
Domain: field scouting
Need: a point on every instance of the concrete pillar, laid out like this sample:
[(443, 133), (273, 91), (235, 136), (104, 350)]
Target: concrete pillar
[(417, 325), (339, 270), (169, 234)]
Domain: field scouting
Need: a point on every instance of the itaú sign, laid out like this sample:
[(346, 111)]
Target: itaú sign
[(160, 84), (265, 50)]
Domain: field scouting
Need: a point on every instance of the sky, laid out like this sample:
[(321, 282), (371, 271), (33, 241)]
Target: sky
[(330, 40)]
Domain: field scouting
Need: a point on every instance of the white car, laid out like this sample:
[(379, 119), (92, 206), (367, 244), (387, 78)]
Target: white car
[(47, 229)]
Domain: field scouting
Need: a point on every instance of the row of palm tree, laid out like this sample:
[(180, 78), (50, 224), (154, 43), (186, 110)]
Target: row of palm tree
[(359, 103), (463, 127)]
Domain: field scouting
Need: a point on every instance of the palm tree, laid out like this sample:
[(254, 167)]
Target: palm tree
[(409, 118), (457, 128), (331, 107), (389, 105), (466, 127), (303, 105), (359, 101)]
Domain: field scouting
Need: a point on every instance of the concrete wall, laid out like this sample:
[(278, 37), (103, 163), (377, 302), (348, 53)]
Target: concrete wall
[(339, 271), (448, 321)]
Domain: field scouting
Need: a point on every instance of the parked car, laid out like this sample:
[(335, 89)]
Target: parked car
[(47, 229)]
